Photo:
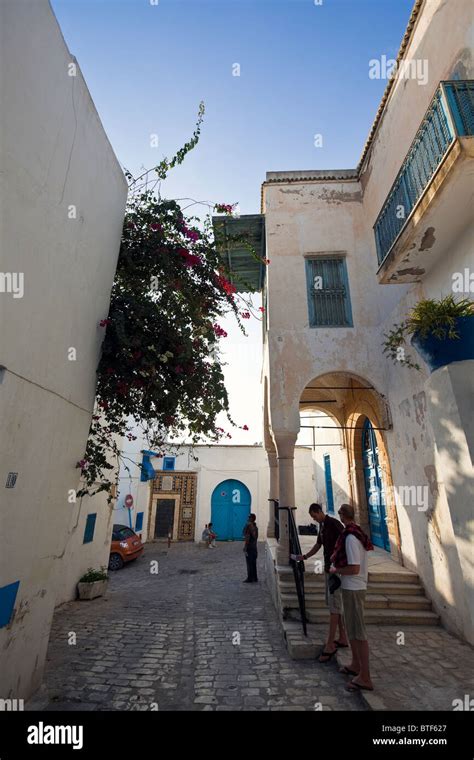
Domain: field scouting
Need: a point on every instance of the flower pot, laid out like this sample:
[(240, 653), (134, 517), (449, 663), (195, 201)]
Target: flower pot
[(91, 590), (438, 353)]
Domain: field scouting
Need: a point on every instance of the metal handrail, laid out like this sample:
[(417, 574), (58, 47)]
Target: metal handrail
[(298, 567)]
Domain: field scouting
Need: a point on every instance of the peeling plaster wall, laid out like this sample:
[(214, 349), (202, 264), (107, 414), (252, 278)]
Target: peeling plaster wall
[(304, 217), (54, 153)]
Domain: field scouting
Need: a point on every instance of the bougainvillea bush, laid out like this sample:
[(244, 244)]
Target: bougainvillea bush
[(160, 365)]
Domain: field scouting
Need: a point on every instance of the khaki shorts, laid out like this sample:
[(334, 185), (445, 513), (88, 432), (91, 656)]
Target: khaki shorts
[(333, 601), (353, 603)]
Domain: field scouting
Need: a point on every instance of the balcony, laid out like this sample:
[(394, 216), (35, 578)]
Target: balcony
[(429, 203)]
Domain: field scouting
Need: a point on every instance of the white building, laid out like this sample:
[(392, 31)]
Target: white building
[(62, 201), (189, 488), (408, 436)]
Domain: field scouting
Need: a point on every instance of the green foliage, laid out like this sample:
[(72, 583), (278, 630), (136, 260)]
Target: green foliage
[(160, 364), (427, 317), (438, 318), (94, 575)]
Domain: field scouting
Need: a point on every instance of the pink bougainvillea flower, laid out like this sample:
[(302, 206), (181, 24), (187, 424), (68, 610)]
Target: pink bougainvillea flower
[(245, 315), (156, 227), (245, 427), (104, 322), (219, 331), (110, 370), (191, 234), (82, 464), (227, 286), (190, 259), (224, 208), (261, 308), (266, 261)]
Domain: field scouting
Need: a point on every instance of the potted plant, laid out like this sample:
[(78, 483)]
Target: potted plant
[(92, 584), (442, 331)]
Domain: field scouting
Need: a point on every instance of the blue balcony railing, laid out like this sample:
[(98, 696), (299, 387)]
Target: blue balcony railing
[(450, 115)]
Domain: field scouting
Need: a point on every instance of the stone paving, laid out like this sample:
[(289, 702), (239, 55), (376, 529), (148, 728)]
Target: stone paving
[(192, 637)]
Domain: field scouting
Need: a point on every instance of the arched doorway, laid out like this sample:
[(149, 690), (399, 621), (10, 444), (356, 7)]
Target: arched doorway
[(230, 507), (374, 488)]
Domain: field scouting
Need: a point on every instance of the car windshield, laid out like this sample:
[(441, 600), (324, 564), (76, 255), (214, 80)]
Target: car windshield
[(122, 532)]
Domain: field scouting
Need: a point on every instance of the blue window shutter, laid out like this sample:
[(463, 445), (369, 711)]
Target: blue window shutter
[(139, 522), (168, 463), (147, 471), (90, 528), (327, 284), (7, 602), (328, 477)]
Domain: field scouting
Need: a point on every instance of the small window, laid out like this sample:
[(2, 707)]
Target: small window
[(168, 463), (328, 292), (139, 522), (90, 528)]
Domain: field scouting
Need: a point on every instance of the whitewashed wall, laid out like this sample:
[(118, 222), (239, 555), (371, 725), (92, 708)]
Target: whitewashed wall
[(54, 155), (248, 464)]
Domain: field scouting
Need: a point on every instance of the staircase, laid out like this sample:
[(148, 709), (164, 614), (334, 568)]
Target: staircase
[(394, 597)]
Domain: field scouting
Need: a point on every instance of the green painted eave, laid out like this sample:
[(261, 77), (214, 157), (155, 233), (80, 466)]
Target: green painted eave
[(233, 235)]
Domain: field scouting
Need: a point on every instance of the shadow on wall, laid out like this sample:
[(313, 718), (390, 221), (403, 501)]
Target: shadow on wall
[(440, 543)]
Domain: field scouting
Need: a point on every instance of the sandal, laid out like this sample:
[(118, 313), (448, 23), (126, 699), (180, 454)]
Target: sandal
[(351, 686), (347, 671), (327, 655), (341, 646)]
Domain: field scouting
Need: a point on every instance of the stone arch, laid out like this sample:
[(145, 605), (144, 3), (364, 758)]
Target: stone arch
[(356, 421), (351, 399)]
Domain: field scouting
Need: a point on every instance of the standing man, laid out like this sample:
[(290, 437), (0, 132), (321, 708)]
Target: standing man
[(350, 561), (329, 531), (250, 549)]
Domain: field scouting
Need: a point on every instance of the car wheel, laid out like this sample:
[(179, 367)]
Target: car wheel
[(115, 562)]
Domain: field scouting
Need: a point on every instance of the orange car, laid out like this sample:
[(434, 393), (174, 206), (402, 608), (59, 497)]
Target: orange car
[(126, 545)]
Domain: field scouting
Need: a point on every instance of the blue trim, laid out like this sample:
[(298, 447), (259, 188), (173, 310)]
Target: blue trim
[(328, 478), (147, 471), (89, 529), (139, 522), (332, 274), (7, 602), (168, 463)]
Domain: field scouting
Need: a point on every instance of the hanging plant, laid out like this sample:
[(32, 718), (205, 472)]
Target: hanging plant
[(439, 319)]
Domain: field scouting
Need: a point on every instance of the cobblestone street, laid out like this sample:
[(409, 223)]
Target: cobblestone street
[(170, 641)]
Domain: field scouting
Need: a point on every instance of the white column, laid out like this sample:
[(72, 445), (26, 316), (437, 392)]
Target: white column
[(285, 445)]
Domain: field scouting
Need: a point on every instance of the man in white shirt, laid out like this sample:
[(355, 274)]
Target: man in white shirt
[(350, 562)]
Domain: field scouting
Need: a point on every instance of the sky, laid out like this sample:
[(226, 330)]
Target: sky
[(303, 70)]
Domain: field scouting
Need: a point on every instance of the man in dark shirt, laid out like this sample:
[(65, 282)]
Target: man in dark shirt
[(329, 530), (250, 549)]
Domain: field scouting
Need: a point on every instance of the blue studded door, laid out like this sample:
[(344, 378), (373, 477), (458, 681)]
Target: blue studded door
[(230, 508), (374, 489)]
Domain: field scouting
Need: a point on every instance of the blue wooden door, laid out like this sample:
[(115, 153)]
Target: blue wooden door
[(328, 478), (230, 508), (374, 489)]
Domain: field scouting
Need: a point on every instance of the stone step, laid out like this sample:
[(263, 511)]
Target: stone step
[(374, 616), (310, 578), (372, 601), (288, 587)]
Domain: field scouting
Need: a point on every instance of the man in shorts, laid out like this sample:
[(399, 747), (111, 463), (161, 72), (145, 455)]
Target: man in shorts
[(329, 531), (350, 561)]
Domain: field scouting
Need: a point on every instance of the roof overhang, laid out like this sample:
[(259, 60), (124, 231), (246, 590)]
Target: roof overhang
[(241, 245)]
